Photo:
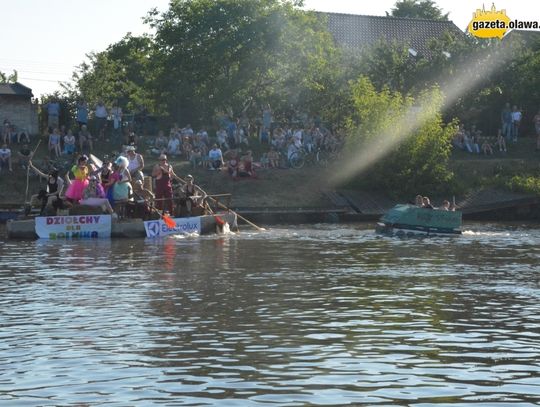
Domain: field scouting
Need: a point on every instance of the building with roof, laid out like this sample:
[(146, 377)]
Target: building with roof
[(528, 37), (357, 32), (16, 105)]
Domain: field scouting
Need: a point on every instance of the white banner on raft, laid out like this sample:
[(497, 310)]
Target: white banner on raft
[(158, 228), (74, 227)]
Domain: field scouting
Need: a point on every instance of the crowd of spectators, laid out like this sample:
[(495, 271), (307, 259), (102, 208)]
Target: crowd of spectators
[(471, 139)]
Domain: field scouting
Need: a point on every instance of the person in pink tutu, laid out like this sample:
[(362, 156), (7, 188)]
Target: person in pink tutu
[(76, 186)]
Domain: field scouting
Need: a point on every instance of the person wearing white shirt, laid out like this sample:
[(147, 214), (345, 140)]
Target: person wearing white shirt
[(216, 157), (173, 146)]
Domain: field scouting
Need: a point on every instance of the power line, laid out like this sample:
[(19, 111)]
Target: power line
[(23, 71), (44, 80)]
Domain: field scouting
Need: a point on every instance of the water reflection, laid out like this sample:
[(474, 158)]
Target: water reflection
[(305, 315)]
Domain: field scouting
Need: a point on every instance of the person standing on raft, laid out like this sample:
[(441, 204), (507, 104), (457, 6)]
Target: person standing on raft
[(80, 172), (163, 173)]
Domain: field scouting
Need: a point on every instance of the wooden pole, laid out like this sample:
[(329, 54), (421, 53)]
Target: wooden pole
[(28, 172), (229, 209)]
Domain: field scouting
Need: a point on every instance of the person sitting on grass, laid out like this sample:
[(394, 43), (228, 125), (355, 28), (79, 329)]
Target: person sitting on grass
[(458, 140), (187, 147), (160, 144), (292, 151), (221, 136), (195, 158), (233, 164), (265, 162), (501, 141), (246, 165), (273, 158), (131, 138), (69, 143), (216, 158), (487, 149), (173, 146)]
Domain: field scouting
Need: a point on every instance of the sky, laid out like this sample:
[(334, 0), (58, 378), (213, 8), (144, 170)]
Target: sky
[(46, 40)]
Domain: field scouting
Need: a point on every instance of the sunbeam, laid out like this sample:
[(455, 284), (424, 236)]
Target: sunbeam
[(366, 152)]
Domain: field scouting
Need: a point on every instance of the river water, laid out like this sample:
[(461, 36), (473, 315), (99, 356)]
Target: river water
[(300, 315)]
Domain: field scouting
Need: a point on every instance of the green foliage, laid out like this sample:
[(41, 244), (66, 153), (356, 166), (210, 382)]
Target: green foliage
[(527, 184), (5, 78), (215, 57), (225, 55), (402, 141), (122, 73), (427, 9), (67, 109), (211, 56), (388, 64)]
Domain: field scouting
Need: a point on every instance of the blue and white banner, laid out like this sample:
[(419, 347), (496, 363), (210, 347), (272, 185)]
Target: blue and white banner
[(74, 227), (158, 228)]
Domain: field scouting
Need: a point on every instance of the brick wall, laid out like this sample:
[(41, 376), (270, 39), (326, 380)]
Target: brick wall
[(20, 112)]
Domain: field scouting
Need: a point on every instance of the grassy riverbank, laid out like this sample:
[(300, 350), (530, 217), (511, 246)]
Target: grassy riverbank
[(304, 187)]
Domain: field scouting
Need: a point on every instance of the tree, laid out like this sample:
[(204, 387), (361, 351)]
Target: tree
[(418, 9), (4, 78), (397, 143), (388, 64), (216, 55), (123, 73)]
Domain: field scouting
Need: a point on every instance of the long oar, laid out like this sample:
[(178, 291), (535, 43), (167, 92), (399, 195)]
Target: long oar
[(28, 172), (237, 214), (171, 224), (229, 209)]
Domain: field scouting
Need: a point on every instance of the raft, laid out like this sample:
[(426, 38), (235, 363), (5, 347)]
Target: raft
[(409, 220), (25, 229)]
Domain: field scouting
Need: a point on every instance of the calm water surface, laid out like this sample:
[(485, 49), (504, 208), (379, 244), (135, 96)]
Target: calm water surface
[(322, 315)]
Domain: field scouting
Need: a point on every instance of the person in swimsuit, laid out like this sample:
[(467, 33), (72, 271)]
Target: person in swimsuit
[(163, 173)]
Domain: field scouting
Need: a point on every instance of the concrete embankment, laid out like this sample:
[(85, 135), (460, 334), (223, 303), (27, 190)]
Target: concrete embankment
[(363, 206)]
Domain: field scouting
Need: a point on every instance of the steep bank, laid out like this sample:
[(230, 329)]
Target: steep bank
[(298, 188)]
